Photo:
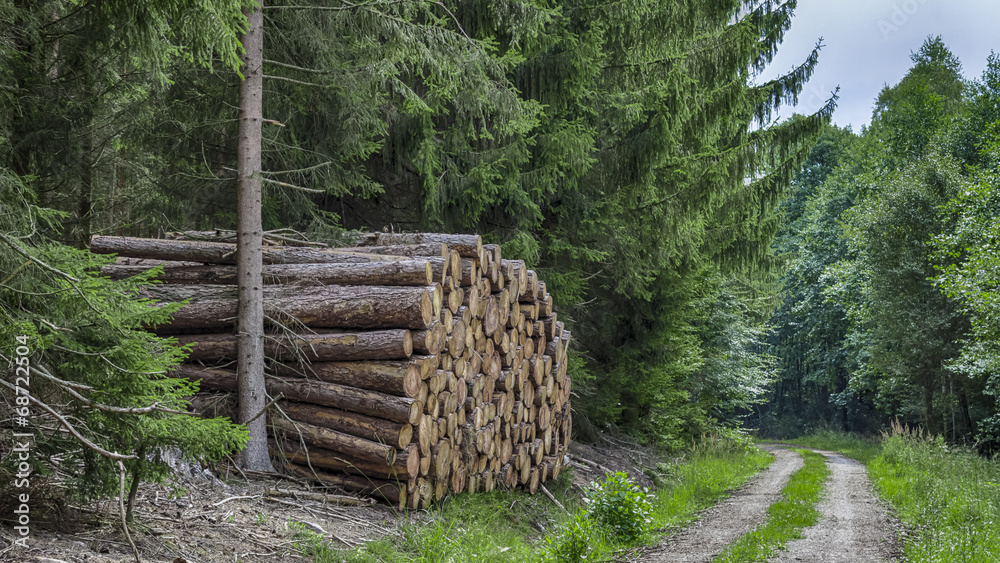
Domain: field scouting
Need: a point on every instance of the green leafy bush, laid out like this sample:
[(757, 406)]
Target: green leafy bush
[(574, 544), (620, 506)]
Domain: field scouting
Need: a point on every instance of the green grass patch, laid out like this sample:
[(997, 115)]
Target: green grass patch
[(948, 498), (712, 469), (787, 517), (515, 527), (856, 446)]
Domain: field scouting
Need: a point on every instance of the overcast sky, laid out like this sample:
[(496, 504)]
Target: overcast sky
[(868, 45)]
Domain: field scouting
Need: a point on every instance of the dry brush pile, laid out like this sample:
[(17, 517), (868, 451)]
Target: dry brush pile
[(409, 365)]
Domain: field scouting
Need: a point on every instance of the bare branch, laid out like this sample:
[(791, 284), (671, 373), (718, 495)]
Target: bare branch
[(267, 406), (121, 509), (294, 187), (454, 19), (292, 80), (299, 170), (299, 68)]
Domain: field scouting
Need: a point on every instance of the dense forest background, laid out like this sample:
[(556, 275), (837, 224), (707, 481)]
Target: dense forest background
[(626, 148), (890, 305)]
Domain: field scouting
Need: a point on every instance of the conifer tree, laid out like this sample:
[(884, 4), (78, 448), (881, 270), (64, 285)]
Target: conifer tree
[(73, 83)]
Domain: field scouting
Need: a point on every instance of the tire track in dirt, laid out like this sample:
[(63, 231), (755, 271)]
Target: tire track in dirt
[(722, 524), (853, 525)]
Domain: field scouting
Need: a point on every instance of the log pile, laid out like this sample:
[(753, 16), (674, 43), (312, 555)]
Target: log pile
[(409, 365)]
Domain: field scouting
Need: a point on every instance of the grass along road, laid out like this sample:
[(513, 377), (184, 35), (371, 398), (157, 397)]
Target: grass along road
[(818, 507), (736, 516), (947, 497)]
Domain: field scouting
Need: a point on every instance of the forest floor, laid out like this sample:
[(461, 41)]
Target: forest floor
[(260, 519), (854, 526), (206, 521), (269, 519)]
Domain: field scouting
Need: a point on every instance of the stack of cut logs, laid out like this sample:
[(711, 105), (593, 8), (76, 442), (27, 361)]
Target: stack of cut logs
[(408, 365)]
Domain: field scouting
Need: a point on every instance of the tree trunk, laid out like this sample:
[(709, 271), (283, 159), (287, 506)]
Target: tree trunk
[(409, 273), (349, 307), (250, 316), (392, 492), (436, 249), (394, 344), (327, 459), (401, 379), (429, 341), (347, 444), (470, 246)]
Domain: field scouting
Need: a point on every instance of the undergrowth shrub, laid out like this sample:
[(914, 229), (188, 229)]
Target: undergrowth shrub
[(617, 512), (573, 544), (620, 506)]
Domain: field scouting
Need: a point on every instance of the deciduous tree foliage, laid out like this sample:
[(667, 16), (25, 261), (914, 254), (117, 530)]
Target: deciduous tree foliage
[(866, 332)]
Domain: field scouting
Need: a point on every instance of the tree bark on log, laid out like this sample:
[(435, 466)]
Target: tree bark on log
[(470, 246), (356, 307), (408, 273), (391, 492), (435, 249), (338, 441), (394, 344), (401, 379), (363, 426), (293, 451), (225, 253), (429, 341), (371, 403)]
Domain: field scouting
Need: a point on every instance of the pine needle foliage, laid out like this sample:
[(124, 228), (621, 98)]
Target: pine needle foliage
[(626, 147), (93, 361), (75, 79), (649, 164)]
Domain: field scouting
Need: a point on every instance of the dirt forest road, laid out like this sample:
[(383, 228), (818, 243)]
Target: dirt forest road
[(853, 525), (722, 524)]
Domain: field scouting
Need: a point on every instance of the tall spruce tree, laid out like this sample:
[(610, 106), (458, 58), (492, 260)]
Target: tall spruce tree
[(653, 165)]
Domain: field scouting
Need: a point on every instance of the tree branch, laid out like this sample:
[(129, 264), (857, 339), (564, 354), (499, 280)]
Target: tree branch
[(294, 187), (121, 509), (70, 428), (292, 80)]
